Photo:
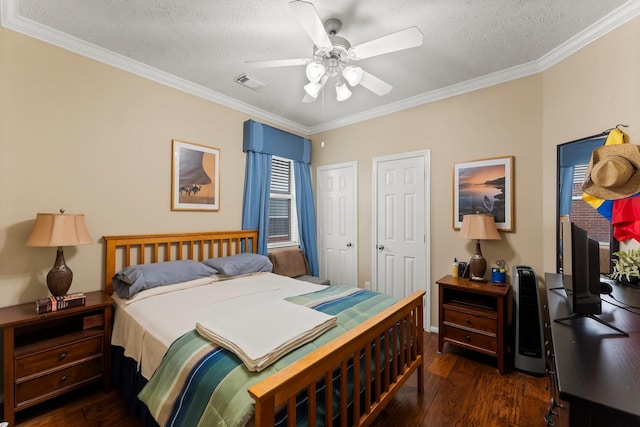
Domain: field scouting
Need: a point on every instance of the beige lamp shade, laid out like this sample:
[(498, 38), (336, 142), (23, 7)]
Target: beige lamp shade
[(478, 227), (59, 230)]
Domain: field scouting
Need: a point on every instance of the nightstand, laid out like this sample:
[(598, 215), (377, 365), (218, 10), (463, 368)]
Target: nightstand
[(474, 315), (46, 355)]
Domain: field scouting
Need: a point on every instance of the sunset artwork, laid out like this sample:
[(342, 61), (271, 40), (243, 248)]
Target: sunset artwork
[(483, 186), (481, 189)]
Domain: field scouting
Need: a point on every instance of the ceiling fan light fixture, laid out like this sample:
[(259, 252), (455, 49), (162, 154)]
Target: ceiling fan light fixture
[(312, 89), (342, 92), (315, 71), (352, 74)]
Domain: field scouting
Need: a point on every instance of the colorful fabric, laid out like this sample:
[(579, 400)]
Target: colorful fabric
[(625, 219), (198, 383), (604, 207)]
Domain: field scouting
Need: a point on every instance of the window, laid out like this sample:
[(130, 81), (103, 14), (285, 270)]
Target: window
[(573, 159), (583, 213), (283, 219)]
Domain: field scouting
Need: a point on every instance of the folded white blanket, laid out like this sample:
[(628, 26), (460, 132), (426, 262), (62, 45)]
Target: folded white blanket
[(261, 334)]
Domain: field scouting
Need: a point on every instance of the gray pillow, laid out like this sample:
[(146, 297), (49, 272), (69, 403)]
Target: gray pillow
[(240, 264), (131, 280)]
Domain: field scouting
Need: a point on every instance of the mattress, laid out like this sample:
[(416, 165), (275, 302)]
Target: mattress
[(146, 325)]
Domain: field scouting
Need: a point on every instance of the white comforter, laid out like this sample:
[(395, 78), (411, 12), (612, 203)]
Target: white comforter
[(261, 334), (146, 325)]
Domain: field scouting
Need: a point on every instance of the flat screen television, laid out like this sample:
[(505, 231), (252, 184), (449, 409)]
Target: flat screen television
[(580, 270), (581, 274)]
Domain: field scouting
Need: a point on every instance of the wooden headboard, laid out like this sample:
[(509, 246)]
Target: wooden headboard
[(123, 251)]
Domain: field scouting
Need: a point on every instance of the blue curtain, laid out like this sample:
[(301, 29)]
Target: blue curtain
[(306, 215), (566, 189), (261, 142), (255, 205)]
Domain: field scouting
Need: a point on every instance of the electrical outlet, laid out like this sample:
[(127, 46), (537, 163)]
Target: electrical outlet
[(367, 285)]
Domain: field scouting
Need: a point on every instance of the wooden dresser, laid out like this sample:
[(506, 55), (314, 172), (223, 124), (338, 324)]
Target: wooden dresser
[(474, 315), (46, 355), (594, 370)]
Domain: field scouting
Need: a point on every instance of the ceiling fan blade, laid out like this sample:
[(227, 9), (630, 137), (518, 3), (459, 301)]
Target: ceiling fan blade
[(308, 17), (405, 39), (279, 63), (374, 84)]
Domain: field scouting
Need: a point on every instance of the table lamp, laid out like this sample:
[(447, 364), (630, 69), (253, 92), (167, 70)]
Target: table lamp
[(58, 230), (479, 227)]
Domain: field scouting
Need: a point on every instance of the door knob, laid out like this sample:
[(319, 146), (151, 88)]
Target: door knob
[(349, 244), (380, 247)]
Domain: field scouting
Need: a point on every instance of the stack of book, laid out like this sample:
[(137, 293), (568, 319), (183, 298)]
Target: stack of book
[(47, 305)]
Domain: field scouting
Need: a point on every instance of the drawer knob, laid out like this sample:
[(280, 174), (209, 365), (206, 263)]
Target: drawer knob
[(62, 356), (468, 338), (468, 321), (63, 378)]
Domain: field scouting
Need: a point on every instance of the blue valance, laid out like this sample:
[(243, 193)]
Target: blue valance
[(261, 138)]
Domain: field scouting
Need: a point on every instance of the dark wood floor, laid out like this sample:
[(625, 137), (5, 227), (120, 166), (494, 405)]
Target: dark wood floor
[(462, 388)]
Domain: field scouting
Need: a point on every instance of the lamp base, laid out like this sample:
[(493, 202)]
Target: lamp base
[(477, 264), (60, 276)]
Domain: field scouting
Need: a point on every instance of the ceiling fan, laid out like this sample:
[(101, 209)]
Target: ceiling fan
[(332, 54)]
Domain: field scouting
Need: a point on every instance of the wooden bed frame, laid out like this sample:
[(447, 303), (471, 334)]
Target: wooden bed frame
[(400, 325)]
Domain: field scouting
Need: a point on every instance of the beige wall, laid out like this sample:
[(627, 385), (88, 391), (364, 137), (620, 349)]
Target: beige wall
[(87, 137), (81, 135), (503, 120), (592, 90)]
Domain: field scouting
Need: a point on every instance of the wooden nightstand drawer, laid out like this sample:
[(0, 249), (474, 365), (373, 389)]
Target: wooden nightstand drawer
[(49, 354), (47, 386), (474, 315), (469, 338), (30, 361), (473, 321)]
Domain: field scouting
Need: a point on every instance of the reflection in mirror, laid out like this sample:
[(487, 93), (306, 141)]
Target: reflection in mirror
[(572, 161)]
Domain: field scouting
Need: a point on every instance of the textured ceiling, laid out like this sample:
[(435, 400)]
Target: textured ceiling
[(202, 46)]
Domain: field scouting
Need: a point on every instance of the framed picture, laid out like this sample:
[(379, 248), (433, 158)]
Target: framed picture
[(195, 177), (484, 186)]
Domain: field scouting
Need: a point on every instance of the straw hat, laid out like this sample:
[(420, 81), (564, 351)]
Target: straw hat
[(613, 172)]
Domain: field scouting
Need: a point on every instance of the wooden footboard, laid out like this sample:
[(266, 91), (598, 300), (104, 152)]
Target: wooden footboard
[(400, 325)]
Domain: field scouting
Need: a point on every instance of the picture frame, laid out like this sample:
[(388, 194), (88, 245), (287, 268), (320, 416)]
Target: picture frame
[(484, 186), (195, 177)]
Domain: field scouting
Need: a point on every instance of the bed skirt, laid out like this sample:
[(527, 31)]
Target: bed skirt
[(129, 381)]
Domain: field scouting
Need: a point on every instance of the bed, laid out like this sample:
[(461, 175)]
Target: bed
[(356, 372)]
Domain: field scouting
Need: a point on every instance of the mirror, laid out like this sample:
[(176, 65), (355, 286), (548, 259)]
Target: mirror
[(572, 161)]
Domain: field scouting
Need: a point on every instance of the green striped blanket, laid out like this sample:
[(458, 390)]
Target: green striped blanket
[(198, 383)]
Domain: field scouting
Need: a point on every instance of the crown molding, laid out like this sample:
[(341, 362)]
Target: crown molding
[(620, 16), (10, 19), (432, 96)]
